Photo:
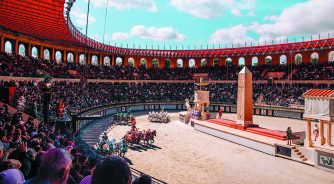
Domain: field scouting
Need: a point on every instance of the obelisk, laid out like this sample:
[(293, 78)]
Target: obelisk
[(245, 98)]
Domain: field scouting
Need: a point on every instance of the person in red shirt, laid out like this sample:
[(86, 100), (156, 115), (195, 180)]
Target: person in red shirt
[(133, 124), (220, 113)]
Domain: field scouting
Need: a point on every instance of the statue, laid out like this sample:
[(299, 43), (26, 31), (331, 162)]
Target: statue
[(187, 105)]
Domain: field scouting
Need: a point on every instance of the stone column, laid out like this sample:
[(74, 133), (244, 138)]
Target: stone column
[(2, 44), (322, 138), (245, 98), (17, 47), (309, 133), (329, 134)]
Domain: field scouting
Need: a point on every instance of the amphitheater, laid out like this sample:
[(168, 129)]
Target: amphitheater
[(61, 90)]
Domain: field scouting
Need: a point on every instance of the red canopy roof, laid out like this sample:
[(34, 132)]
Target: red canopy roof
[(43, 19), (319, 93)]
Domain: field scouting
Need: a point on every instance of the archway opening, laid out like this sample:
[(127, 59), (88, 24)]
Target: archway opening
[(8, 47), (255, 61), (331, 57), (143, 62), (314, 57), (241, 61), (82, 59), (70, 57), (283, 60), (155, 63), (298, 59), (179, 63), (46, 54), (58, 57), (192, 63), (268, 60), (215, 62), (106, 61), (131, 62), (119, 61), (95, 60), (228, 61), (204, 62), (34, 52), (22, 50)]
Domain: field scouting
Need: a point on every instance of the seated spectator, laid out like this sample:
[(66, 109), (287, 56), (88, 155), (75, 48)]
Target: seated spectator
[(55, 167), (112, 170)]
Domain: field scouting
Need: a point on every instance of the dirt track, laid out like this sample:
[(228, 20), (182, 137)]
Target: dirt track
[(183, 155)]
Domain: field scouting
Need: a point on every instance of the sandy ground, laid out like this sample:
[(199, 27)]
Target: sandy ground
[(182, 155)]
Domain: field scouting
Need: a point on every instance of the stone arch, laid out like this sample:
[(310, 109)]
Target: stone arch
[(241, 61), (143, 62), (70, 57), (22, 50), (255, 61), (58, 56), (119, 61), (34, 52), (106, 61), (228, 61), (314, 57), (331, 57), (204, 62), (298, 59), (215, 62), (82, 59), (8, 47), (46, 54), (94, 60), (179, 63), (155, 63), (131, 62), (268, 60), (192, 63), (283, 60)]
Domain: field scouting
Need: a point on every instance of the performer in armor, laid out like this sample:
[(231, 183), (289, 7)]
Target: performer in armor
[(133, 125)]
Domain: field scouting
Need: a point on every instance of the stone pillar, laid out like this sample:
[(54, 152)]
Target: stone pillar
[(2, 44), (309, 133), (77, 57), (329, 134), (245, 98), (53, 55), (322, 138), (101, 60), (41, 52), (29, 49), (65, 57), (16, 47), (88, 58)]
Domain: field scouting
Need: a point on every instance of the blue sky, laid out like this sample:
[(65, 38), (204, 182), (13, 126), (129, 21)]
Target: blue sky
[(202, 23)]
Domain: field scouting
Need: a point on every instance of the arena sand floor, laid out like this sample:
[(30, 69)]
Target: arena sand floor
[(182, 155)]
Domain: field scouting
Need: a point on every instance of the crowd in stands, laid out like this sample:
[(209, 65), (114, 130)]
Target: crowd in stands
[(15, 65), (36, 153)]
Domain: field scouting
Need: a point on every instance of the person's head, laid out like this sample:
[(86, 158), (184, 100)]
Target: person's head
[(55, 166), (112, 170), (143, 179), (9, 164), (289, 128)]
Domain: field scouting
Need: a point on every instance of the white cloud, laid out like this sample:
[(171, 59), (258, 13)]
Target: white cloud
[(126, 5), (235, 34), (302, 19), (235, 12), (157, 34), (311, 17), (251, 14), (80, 17), (120, 36), (208, 9)]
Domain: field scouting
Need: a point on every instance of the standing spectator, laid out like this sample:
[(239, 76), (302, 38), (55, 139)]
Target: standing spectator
[(316, 132), (289, 135), (220, 112)]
